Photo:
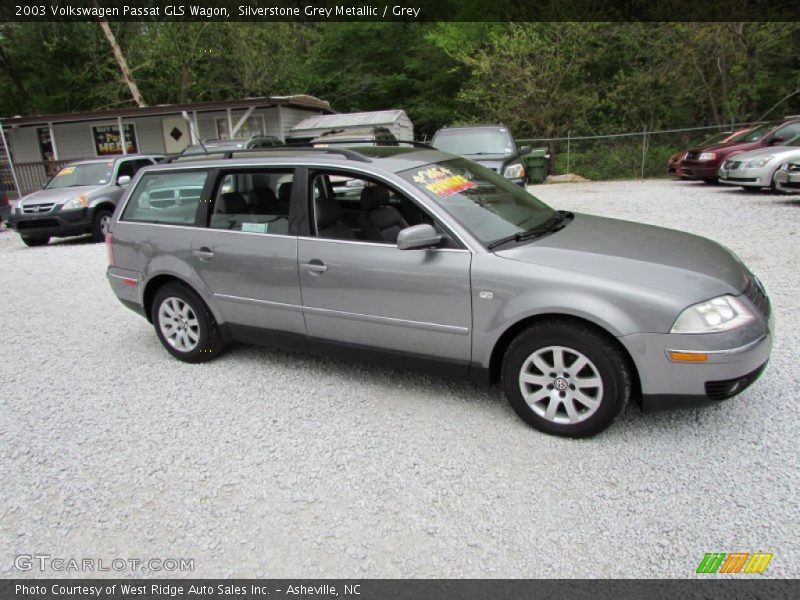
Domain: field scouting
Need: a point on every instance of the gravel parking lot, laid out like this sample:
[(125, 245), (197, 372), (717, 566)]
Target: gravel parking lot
[(270, 464)]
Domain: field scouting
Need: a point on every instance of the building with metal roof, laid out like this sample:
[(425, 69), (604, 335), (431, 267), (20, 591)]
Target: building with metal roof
[(38, 145), (396, 121)]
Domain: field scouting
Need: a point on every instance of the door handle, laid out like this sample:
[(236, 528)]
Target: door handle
[(314, 267), (203, 253)]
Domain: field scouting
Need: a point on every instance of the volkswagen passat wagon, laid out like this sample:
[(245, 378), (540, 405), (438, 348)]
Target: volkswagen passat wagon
[(442, 263)]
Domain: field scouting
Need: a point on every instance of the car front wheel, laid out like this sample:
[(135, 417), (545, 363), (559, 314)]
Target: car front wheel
[(185, 325), (100, 223), (566, 378)]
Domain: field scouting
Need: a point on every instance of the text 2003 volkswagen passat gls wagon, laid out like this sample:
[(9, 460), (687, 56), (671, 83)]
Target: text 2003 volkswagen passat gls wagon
[(424, 258)]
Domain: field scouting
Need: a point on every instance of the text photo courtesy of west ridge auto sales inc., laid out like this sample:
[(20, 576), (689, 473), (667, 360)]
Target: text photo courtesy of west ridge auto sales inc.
[(415, 299)]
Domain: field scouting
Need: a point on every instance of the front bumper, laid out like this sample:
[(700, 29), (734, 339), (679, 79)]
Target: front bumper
[(735, 360), (59, 223), (756, 177), (787, 181), (696, 169)]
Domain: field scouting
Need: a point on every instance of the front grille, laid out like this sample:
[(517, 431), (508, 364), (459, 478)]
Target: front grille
[(793, 167), (37, 223), (722, 390), (38, 208), (756, 294), (732, 164), (791, 184), (743, 179)]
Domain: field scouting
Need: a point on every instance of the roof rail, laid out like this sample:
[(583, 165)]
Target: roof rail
[(226, 154), (375, 143)]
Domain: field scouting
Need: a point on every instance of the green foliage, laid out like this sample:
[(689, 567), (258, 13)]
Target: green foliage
[(543, 79)]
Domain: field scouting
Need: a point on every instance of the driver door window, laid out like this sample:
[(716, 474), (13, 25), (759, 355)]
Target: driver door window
[(351, 207)]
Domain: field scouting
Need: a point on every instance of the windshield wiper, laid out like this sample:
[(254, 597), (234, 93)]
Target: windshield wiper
[(554, 223)]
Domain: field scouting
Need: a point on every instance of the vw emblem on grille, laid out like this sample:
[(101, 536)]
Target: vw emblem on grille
[(36, 208)]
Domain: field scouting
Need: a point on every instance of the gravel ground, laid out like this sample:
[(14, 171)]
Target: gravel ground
[(270, 464)]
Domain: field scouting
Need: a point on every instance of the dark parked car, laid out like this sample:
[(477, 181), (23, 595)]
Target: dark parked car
[(703, 163), (374, 136), (5, 206), (215, 146), (492, 146)]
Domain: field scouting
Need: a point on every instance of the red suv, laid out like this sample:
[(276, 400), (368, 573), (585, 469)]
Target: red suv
[(703, 163)]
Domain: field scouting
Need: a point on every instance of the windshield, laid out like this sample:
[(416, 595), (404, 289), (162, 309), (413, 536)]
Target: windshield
[(753, 135), (489, 206), (474, 142), (85, 174)]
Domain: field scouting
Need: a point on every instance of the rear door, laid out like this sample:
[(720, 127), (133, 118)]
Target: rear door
[(370, 294), (247, 256)]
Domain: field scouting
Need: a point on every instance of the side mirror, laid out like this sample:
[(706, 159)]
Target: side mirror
[(123, 180), (525, 150), (418, 236)]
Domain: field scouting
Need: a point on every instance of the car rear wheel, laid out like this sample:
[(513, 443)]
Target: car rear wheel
[(35, 240), (185, 325), (100, 223), (566, 378)]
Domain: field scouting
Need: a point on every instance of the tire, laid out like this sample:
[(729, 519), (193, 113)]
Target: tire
[(711, 180), (100, 222), (35, 240), (773, 184), (190, 335), (605, 364)]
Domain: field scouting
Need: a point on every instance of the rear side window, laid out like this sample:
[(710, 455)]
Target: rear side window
[(168, 198), (253, 201)]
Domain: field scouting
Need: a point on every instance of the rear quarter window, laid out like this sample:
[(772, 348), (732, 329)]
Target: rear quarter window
[(170, 198)]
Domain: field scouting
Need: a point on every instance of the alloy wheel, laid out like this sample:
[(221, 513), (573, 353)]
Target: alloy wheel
[(561, 385), (178, 324)]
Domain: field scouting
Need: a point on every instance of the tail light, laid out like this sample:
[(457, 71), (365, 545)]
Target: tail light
[(110, 249)]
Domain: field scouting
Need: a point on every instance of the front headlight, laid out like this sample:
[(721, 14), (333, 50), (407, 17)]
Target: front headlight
[(718, 314), (759, 162), (76, 202), (514, 171), (707, 156)]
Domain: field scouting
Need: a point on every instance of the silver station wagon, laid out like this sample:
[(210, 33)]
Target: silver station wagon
[(417, 258)]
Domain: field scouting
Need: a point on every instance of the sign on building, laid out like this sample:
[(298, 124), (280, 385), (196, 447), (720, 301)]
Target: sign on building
[(107, 140)]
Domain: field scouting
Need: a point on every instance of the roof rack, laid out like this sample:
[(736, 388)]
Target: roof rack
[(227, 154), (299, 146)]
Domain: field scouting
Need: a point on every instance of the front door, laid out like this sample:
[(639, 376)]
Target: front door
[(246, 256), (359, 289)]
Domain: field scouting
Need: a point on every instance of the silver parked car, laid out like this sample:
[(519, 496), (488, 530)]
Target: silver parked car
[(759, 168), (80, 198), (788, 177), (442, 263)]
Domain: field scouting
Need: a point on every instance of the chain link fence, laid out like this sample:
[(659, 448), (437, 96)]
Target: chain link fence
[(630, 155)]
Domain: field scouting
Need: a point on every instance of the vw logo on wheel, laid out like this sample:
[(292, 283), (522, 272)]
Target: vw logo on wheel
[(560, 384)]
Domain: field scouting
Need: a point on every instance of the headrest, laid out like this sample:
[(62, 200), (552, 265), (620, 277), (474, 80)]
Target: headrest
[(263, 195), (285, 191), (373, 197), (232, 203), (328, 212)]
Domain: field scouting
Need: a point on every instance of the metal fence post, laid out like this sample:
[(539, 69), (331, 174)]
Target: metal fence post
[(569, 157), (644, 149)]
